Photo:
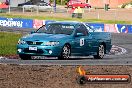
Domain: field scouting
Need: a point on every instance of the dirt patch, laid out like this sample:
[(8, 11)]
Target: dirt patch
[(12, 56), (17, 76)]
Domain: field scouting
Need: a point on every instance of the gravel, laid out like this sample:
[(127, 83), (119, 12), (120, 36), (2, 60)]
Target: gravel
[(18, 76)]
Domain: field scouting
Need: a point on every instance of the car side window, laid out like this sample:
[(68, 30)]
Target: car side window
[(82, 29)]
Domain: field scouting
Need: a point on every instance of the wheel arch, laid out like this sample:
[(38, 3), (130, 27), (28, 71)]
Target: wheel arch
[(68, 44)]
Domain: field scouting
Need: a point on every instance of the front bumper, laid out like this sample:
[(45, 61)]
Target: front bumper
[(41, 50)]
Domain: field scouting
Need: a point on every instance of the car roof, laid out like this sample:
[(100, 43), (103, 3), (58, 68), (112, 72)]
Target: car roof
[(65, 22)]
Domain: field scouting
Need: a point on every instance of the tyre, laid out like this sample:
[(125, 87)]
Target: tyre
[(66, 52), (81, 80), (25, 57), (100, 52)]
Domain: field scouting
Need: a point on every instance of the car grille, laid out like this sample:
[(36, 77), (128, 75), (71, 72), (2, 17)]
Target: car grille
[(39, 51), (33, 43)]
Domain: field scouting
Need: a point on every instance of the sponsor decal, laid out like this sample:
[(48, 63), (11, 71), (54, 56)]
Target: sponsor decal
[(117, 28), (16, 22), (121, 28), (101, 78), (96, 26), (81, 41), (129, 28), (110, 28), (29, 23), (37, 23)]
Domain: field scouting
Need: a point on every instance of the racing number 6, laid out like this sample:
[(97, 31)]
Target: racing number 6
[(81, 41)]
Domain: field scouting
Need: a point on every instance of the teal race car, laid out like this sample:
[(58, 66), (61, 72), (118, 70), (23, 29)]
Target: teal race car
[(64, 39)]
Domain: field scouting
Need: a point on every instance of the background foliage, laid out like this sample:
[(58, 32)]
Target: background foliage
[(60, 2)]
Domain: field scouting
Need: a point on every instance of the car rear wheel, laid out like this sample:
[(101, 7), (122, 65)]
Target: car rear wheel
[(66, 52), (25, 57), (100, 52)]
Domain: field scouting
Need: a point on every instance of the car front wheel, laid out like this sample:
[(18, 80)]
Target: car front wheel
[(100, 52), (66, 52)]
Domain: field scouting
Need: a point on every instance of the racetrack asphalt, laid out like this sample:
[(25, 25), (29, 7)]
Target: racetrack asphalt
[(121, 40)]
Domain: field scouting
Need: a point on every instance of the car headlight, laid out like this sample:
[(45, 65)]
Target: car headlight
[(51, 43), (21, 41)]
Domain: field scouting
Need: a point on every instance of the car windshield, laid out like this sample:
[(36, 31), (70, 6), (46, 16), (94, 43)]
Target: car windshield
[(57, 29)]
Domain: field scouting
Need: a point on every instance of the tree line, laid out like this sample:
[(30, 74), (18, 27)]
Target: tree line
[(60, 2)]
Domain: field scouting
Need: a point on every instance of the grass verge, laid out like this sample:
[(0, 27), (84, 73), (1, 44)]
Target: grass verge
[(8, 42), (63, 19)]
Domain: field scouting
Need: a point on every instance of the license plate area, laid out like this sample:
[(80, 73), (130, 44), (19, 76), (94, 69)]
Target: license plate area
[(33, 48)]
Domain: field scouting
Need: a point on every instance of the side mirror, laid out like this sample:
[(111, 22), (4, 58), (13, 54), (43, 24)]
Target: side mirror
[(32, 32), (79, 34)]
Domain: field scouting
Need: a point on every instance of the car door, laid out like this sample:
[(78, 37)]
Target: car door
[(80, 40), (92, 41)]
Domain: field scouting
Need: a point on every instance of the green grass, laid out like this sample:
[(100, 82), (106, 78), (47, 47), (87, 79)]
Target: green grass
[(8, 43), (63, 19)]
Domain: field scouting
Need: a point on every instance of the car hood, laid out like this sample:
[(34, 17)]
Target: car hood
[(44, 37)]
